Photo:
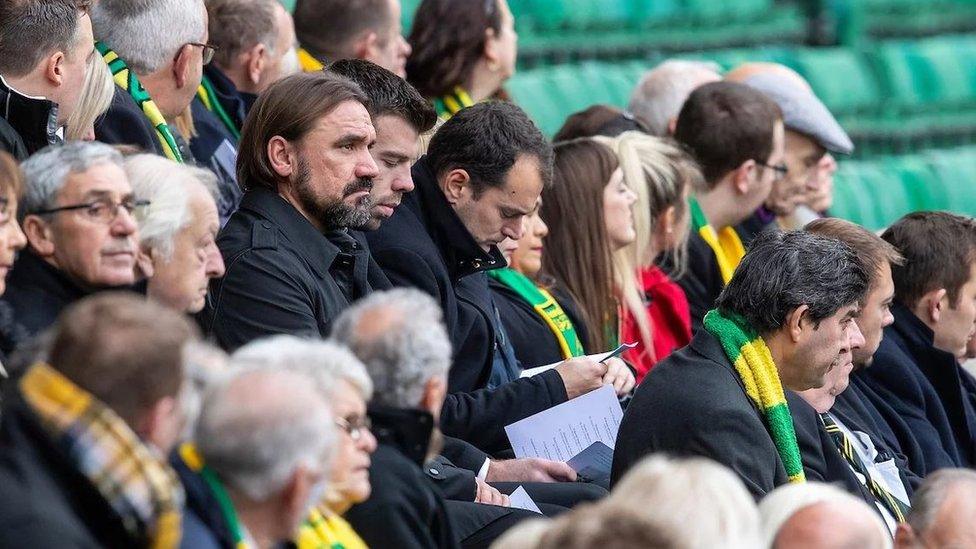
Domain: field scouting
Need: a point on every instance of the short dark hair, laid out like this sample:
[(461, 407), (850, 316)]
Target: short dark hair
[(939, 250), (238, 25), (32, 29), (326, 28), (784, 270), (871, 249), (598, 120), (288, 108), (725, 124), (448, 38), (485, 140), (123, 349), (388, 93)]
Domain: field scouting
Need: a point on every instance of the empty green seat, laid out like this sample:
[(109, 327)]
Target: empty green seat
[(841, 79)]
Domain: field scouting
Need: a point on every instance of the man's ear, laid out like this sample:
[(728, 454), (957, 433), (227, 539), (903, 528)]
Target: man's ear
[(367, 46), (256, 61), (144, 263), (797, 321), (935, 302), (294, 496), (54, 68), (490, 53), (435, 391), (39, 235), (456, 184), (905, 537), (282, 156), (672, 124), (743, 176), (181, 66)]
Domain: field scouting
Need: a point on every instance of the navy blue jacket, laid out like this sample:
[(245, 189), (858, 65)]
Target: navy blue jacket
[(125, 124), (926, 388), (425, 245)]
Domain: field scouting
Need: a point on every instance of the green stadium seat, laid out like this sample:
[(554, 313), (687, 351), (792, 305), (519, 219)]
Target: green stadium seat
[(841, 79)]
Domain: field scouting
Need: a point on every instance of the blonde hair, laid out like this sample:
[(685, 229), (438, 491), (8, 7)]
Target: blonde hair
[(658, 171), (94, 101)]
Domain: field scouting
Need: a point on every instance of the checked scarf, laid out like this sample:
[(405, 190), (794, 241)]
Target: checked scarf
[(126, 79), (753, 362), (139, 486)]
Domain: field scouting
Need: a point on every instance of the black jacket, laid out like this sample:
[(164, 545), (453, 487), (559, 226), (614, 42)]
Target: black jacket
[(36, 293), (694, 404), (27, 124), (928, 389), (530, 336), (282, 275), (425, 245), (404, 509), (701, 280), (45, 502), (125, 124), (203, 522)]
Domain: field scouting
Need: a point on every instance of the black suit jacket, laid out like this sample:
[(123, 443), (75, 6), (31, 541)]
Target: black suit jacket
[(923, 387), (701, 280), (283, 275), (125, 124), (426, 246), (694, 404)]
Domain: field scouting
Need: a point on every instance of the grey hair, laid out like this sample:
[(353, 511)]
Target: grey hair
[(147, 34), (46, 172), (204, 365), (662, 91), (95, 100), (169, 187), (784, 270), (400, 337), (325, 362), (669, 490), (257, 427), (787, 500), (928, 499), (238, 25)]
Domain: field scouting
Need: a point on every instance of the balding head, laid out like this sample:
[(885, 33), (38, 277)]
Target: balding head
[(400, 337), (658, 97), (797, 516), (943, 512)]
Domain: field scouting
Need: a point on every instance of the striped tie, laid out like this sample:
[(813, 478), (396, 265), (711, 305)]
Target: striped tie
[(896, 507)]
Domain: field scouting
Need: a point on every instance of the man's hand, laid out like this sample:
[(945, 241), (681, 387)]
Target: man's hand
[(620, 376), (530, 470), (581, 375), (491, 496)]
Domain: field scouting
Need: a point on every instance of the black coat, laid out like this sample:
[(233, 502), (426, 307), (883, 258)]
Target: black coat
[(36, 293), (694, 404), (282, 275), (125, 124), (45, 502), (701, 280), (425, 245), (27, 124), (927, 389), (530, 336)]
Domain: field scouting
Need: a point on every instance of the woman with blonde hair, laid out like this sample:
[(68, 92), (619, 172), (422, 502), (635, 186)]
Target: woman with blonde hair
[(662, 175), (94, 101)]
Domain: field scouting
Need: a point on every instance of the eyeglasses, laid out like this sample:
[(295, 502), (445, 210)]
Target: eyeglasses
[(781, 169), (356, 427), (102, 210), (208, 51)]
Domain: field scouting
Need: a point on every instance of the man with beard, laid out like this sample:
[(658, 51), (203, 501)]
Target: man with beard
[(306, 172)]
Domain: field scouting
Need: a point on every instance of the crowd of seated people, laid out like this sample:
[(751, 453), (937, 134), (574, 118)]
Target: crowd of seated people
[(273, 280)]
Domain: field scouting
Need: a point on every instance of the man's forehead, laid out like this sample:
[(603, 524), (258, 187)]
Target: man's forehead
[(107, 179), (346, 116)]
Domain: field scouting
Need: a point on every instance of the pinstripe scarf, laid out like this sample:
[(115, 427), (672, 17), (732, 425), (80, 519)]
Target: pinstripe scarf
[(753, 362)]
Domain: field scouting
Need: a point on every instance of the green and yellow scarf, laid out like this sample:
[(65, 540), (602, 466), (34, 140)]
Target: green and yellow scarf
[(725, 244), (138, 485), (452, 103), (753, 362), (208, 96), (546, 306), (192, 459), (126, 79), (309, 62)]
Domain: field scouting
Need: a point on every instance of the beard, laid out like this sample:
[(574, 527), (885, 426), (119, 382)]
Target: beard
[(334, 214)]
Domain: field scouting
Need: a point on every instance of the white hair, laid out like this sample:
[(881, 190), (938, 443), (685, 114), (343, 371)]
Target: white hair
[(782, 503), (928, 499), (400, 337), (169, 187), (94, 101), (47, 171), (671, 491), (204, 365), (325, 362), (147, 34), (259, 426), (662, 91)]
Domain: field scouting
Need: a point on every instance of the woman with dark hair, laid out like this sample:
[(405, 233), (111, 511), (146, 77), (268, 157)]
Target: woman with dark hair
[(12, 239), (588, 211), (463, 51)]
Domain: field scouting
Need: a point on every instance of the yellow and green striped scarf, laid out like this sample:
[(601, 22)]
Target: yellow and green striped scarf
[(452, 103), (753, 362), (309, 62), (725, 244), (126, 79)]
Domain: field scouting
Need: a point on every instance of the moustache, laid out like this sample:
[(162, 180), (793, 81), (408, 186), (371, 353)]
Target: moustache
[(359, 185)]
